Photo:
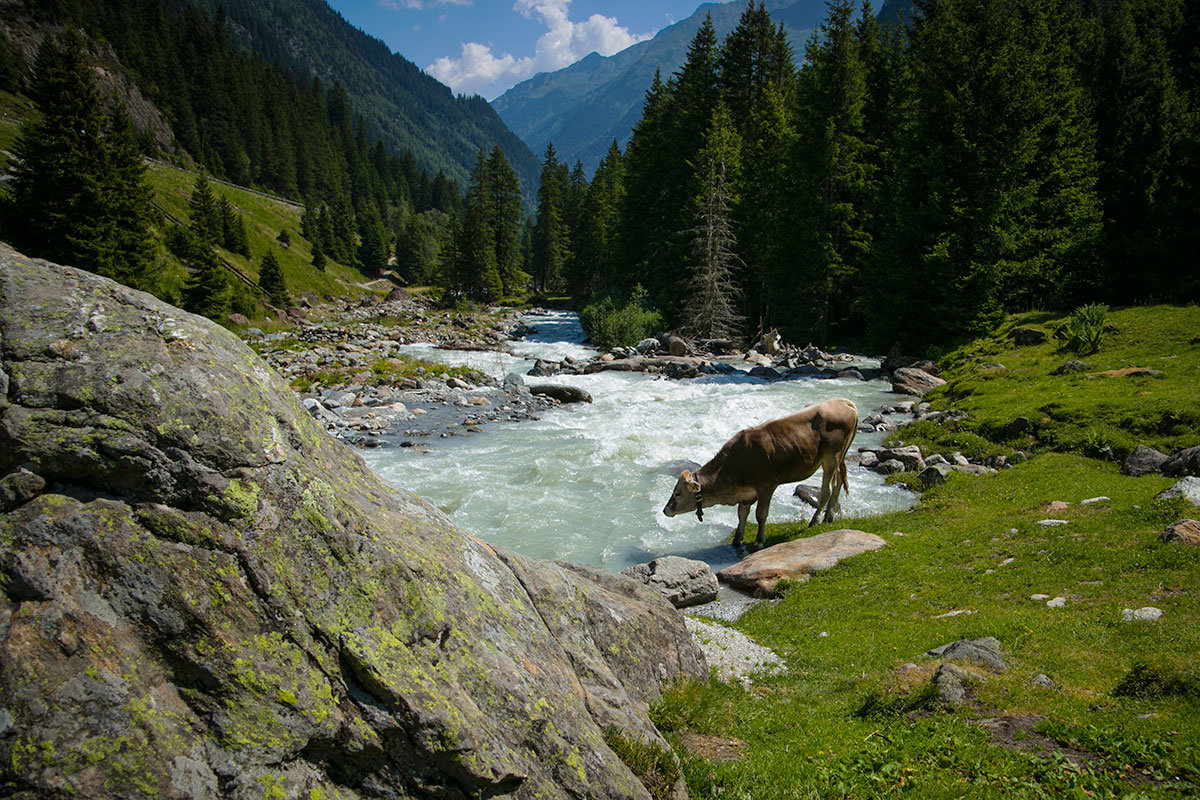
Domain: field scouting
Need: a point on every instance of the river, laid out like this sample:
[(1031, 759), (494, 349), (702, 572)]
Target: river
[(587, 482)]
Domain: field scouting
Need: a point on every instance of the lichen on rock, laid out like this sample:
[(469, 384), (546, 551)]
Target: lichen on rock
[(205, 595)]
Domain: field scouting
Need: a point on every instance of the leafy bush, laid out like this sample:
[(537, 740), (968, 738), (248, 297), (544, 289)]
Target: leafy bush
[(1084, 331), (1156, 681), (609, 325)]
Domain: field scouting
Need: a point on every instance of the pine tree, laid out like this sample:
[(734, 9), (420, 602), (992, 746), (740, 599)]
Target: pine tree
[(372, 249), (502, 195), (78, 192), (755, 55), (207, 291), (233, 228), (318, 255), (476, 271), (597, 260), (550, 236), (205, 215), (710, 310), (270, 278), (835, 174)]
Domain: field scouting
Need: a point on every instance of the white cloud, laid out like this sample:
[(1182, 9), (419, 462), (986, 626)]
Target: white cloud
[(419, 5), (563, 43)]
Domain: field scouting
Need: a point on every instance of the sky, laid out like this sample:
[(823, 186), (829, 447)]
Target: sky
[(487, 46)]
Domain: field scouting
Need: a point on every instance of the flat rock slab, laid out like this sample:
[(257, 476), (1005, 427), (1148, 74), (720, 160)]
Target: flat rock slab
[(761, 572)]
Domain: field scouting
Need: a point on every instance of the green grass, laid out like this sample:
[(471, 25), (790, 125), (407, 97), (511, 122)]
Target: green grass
[(1083, 412), (385, 372), (264, 218), (806, 736)]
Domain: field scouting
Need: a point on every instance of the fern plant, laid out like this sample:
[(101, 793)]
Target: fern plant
[(1085, 329)]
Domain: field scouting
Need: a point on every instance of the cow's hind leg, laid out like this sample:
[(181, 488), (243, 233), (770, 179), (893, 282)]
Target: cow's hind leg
[(835, 492), (823, 504), (739, 533), (760, 516)]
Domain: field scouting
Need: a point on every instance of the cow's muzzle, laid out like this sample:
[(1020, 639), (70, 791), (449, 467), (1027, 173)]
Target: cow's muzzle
[(670, 512)]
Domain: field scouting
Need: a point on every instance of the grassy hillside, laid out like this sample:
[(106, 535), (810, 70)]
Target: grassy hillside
[(265, 217), (1098, 410), (1122, 717)]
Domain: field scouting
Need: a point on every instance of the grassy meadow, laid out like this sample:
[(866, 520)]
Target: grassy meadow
[(1123, 715)]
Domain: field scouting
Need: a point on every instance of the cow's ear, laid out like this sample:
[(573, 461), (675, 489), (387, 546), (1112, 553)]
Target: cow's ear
[(686, 475), (692, 484)]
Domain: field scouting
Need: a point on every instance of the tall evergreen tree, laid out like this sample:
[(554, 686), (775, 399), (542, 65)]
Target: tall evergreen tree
[(834, 163), (78, 189), (205, 214), (550, 237), (710, 309), (502, 196), (596, 262), (477, 273), (270, 278)]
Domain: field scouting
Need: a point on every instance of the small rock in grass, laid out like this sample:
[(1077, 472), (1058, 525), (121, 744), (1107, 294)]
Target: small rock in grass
[(1188, 488), (1051, 523), (1185, 462), (1056, 507), (1007, 561), (1143, 614), (1044, 681), (1186, 531), (1100, 499), (956, 613), (1068, 367), (985, 651), (950, 684), (1037, 598), (1057, 602)]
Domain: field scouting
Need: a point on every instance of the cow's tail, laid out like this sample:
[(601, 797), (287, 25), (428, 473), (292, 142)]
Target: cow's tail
[(842, 460)]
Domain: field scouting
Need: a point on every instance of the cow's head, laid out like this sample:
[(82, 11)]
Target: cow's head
[(684, 496)]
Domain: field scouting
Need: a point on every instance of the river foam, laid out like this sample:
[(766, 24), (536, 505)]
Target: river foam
[(587, 483)]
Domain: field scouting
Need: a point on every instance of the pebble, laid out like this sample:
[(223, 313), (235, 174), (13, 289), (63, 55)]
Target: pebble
[(1090, 500), (1007, 561), (1051, 523), (1037, 598), (1057, 602), (957, 613)]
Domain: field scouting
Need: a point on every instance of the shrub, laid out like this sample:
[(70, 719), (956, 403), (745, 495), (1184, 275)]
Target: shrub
[(1156, 680), (609, 325), (1084, 331)]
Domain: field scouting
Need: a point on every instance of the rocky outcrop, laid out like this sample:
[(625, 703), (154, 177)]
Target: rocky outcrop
[(1187, 488), (1185, 531), (205, 595)]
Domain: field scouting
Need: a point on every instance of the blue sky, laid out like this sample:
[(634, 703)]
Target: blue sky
[(486, 46)]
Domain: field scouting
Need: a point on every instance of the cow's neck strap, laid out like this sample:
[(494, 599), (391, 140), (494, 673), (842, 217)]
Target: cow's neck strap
[(699, 506)]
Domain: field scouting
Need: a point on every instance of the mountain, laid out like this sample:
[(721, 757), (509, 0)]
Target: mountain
[(409, 109), (583, 107)]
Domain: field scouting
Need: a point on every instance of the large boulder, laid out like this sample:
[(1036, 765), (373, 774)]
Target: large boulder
[(206, 595), (1185, 462), (1142, 461), (561, 392), (761, 572), (909, 456), (683, 581), (910, 380)]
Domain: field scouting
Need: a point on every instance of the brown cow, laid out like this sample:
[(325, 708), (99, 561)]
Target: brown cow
[(751, 465)]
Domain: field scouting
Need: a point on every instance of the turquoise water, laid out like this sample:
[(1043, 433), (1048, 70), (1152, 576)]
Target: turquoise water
[(587, 483)]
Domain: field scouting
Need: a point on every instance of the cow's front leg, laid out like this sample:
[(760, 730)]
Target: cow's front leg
[(760, 515), (739, 533)]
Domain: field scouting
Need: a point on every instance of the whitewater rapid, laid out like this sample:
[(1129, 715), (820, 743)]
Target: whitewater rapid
[(587, 482)]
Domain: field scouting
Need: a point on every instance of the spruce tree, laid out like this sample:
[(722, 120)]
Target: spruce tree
[(502, 197), (78, 191), (205, 215), (836, 180), (270, 278), (207, 290), (550, 236), (598, 257), (710, 309)]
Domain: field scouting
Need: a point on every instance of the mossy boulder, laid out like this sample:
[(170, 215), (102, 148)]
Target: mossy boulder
[(205, 595)]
